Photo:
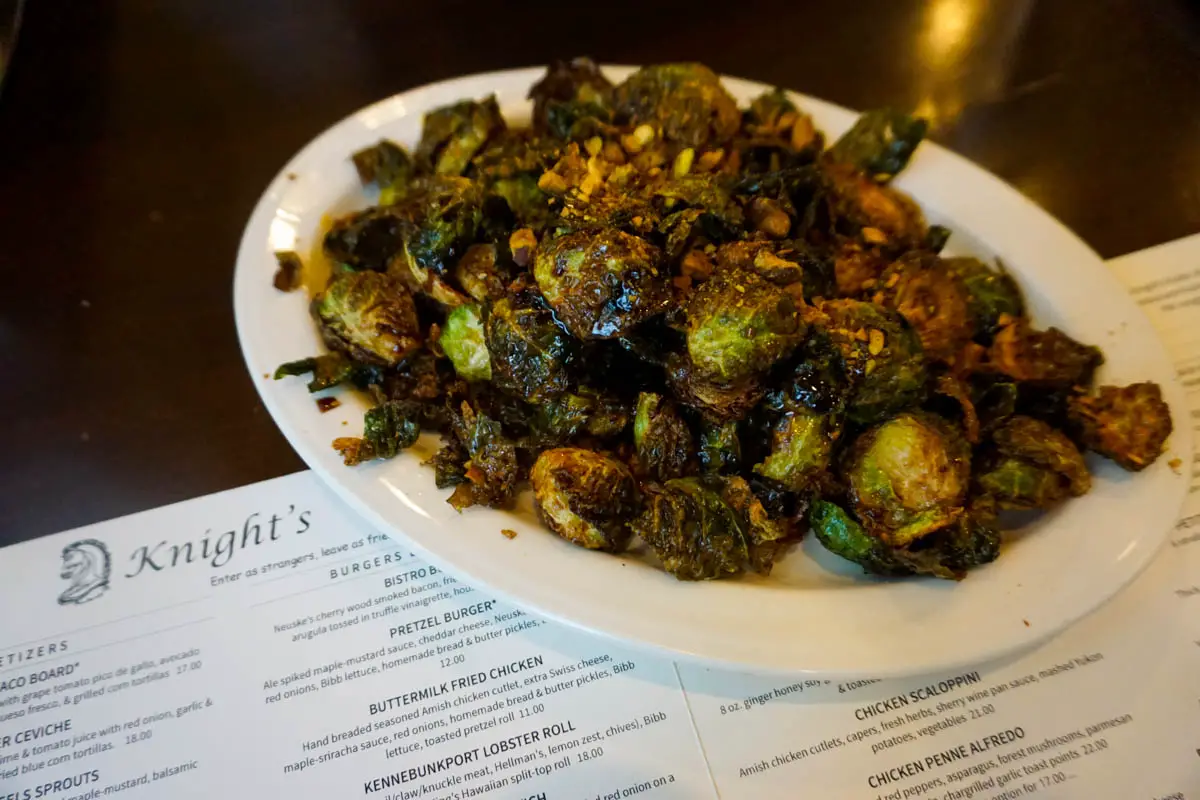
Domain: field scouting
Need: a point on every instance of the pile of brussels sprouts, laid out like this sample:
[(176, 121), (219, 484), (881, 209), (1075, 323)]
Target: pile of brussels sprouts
[(701, 328)]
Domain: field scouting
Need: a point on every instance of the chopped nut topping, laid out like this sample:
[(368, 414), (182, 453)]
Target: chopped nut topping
[(875, 346)]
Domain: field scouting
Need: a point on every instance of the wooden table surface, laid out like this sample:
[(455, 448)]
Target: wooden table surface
[(136, 136)]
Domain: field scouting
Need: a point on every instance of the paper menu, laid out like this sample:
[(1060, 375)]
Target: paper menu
[(265, 642)]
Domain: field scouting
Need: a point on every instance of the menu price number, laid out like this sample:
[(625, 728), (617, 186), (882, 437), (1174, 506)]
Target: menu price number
[(450, 661), (1095, 746), (191, 666), (1053, 779), (526, 713), (140, 736), (591, 754), (981, 712)]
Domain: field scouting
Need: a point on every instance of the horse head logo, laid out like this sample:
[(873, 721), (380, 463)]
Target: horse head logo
[(87, 565)]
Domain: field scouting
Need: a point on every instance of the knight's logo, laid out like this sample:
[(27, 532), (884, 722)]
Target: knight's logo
[(87, 565)]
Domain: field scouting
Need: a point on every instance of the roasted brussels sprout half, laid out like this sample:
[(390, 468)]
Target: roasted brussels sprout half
[(968, 542), (992, 294), (463, 343), (663, 440), (716, 402), (686, 101), (1032, 466), (570, 99), (387, 429), (880, 144), (1042, 357), (585, 497), (739, 325), (602, 284), (530, 355), (843, 536), (330, 370), (448, 213), (720, 448), (561, 418), (366, 240), (880, 355), (908, 477), (1129, 424), (479, 274), (453, 134), (387, 166), (368, 316), (801, 448), (933, 299), (704, 528)]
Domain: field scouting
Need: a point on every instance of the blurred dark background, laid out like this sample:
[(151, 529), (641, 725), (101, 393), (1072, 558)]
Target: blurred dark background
[(135, 138)]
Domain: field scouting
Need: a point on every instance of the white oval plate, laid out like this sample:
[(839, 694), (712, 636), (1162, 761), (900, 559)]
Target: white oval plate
[(815, 613)]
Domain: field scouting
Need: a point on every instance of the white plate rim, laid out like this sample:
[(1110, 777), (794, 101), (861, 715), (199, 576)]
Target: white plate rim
[(413, 523)]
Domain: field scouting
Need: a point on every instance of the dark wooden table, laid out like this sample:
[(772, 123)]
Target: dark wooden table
[(136, 136)]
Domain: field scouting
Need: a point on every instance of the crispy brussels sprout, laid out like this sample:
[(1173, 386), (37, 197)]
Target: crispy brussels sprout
[(608, 416), (453, 134), (369, 317), (878, 214), (720, 448), (843, 536), (602, 284), (704, 528), (387, 166), (448, 213), (366, 240), (423, 378), (449, 464), (509, 169), (530, 354), (686, 101), (387, 429), (739, 325), (572, 94), (478, 273), (663, 440), (717, 402), (881, 357), (971, 541), (561, 418), (721, 217), (994, 403), (585, 497), (880, 144), (332, 369), (908, 477), (992, 294), (935, 301), (801, 448), (1129, 424), (492, 469), (463, 343), (1031, 466), (768, 108), (948, 553), (1042, 357)]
